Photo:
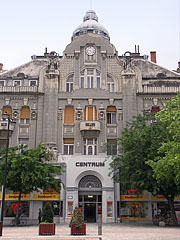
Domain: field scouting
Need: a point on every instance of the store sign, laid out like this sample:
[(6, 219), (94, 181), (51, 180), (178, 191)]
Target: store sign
[(161, 197), (90, 164), (16, 196), (134, 197), (47, 196), (134, 218)]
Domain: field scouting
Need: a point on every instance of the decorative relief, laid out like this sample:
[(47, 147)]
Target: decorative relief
[(34, 115), (120, 114), (7, 101), (155, 101), (128, 64), (60, 114), (15, 115), (25, 101), (69, 101), (90, 101), (52, 148), (111, 101)]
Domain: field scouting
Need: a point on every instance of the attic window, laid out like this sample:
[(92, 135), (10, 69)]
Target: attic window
[(21, 75), (160, 75)]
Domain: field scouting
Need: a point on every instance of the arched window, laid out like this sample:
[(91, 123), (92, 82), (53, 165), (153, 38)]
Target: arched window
[(69, 115), (8, 110), (25, 115), (69, 84), (110, 84), (90, 78)]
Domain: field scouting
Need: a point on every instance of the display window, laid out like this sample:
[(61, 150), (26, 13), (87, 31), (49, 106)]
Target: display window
[(10, 208), (57, 207), (163, 209), (70, 209), (109, 209), (134, 210)]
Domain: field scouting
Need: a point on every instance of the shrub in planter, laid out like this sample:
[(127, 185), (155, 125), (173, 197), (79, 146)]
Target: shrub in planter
[(47, 226), (77, 224)]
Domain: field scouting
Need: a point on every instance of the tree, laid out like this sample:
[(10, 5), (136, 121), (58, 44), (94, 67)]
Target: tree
[(141, 142), (29, 170)]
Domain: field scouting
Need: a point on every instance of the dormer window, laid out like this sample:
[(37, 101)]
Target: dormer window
[(32, 83), (17, 83)]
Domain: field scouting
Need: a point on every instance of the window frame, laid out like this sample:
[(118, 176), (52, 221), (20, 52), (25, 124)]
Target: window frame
[(90, 147), (90, 79)]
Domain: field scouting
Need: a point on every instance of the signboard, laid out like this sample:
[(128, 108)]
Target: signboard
[(134, 197), (161, 197), (90, 164), (15, 196), (46, 196)]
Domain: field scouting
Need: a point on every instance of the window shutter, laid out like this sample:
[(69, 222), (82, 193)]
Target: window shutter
[(69, 115), (25, 113), (90, 113), (7, 110)]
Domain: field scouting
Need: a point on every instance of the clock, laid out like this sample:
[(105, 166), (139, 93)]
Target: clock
[(90, 50)]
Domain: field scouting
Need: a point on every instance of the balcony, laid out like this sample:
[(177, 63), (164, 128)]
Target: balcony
[(90, 126), (4, 126), (19, 89)]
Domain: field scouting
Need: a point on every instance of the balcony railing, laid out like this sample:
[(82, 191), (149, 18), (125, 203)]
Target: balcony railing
[(4, 126), (18, 89)]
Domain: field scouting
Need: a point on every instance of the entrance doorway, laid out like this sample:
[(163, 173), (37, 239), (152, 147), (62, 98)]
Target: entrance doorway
[(90, 197)]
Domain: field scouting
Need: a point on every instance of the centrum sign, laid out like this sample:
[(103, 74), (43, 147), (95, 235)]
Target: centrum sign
[(90, 164)]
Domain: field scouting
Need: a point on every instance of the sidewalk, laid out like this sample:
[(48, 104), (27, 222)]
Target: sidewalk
[(115, 231)]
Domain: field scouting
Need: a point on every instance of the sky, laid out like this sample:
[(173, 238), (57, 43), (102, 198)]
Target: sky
[(28, 27)]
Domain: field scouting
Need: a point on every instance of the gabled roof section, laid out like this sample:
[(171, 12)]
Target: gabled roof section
[(151, 70), (31, 68)]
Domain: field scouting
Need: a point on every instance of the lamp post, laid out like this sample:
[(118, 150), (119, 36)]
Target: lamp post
[(7, 117)]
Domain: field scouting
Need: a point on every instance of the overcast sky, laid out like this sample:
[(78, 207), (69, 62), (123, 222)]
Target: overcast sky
[(27, 27)]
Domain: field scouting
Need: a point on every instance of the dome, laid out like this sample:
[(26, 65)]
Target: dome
[(90, 25)]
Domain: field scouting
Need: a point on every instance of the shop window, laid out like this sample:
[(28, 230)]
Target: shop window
[(90, 78), (111, 147), (7, 110), (69, 84), (90, 146), (133, 210), (111, 115), (69, 115), (68, 146), (57, 207), (25, 115), (11, 208), (90, 113)]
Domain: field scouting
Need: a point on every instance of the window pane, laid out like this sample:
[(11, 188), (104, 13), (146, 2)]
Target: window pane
[(90, 150), (67, 87), (71, 149), (2, 83), (71, 87), (113, 118), (65, 149), (108, 118), (98, 82), (90, 141), (112, 87), (90, 71), (82, 82), (109, 87), (88, 82), (32, 83), (84, 149), (92, 82)]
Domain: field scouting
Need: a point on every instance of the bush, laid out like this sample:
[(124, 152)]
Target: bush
[(47, 214), (77, 218)]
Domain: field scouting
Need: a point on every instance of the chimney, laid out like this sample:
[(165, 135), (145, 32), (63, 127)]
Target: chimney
[(153, 57), (178, 69), (1, 66), (136, 53)]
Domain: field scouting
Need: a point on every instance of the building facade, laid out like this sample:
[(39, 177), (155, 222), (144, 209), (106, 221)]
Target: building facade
[(76, 104)]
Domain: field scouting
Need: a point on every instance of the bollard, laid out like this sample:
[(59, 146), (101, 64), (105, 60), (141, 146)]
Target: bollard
[(99, 224)]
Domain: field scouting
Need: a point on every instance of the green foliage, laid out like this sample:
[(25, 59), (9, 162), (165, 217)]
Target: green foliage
[(77, 218), (47, 214), (28, 170)]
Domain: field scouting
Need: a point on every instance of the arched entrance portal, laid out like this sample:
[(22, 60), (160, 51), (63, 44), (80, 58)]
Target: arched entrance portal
[(90, 197)]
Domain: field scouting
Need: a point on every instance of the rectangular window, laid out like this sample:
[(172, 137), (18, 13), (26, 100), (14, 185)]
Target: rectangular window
[(69, 87), (98, 82), (32, 83), (111, 118), (17, 83), (90, 146), (69, 115), (111, 147), (57, 207), (24, 120), (68, 146), (11, 208), (2, 83), (110, 87), (82, 82)]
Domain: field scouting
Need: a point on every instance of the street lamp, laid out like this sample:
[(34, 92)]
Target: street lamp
[(6, 117)]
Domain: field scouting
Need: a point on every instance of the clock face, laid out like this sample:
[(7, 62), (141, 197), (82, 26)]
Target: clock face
[(90, 50)]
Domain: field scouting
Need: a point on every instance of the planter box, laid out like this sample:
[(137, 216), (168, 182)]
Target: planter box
[(79, 231), (47, 228)]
